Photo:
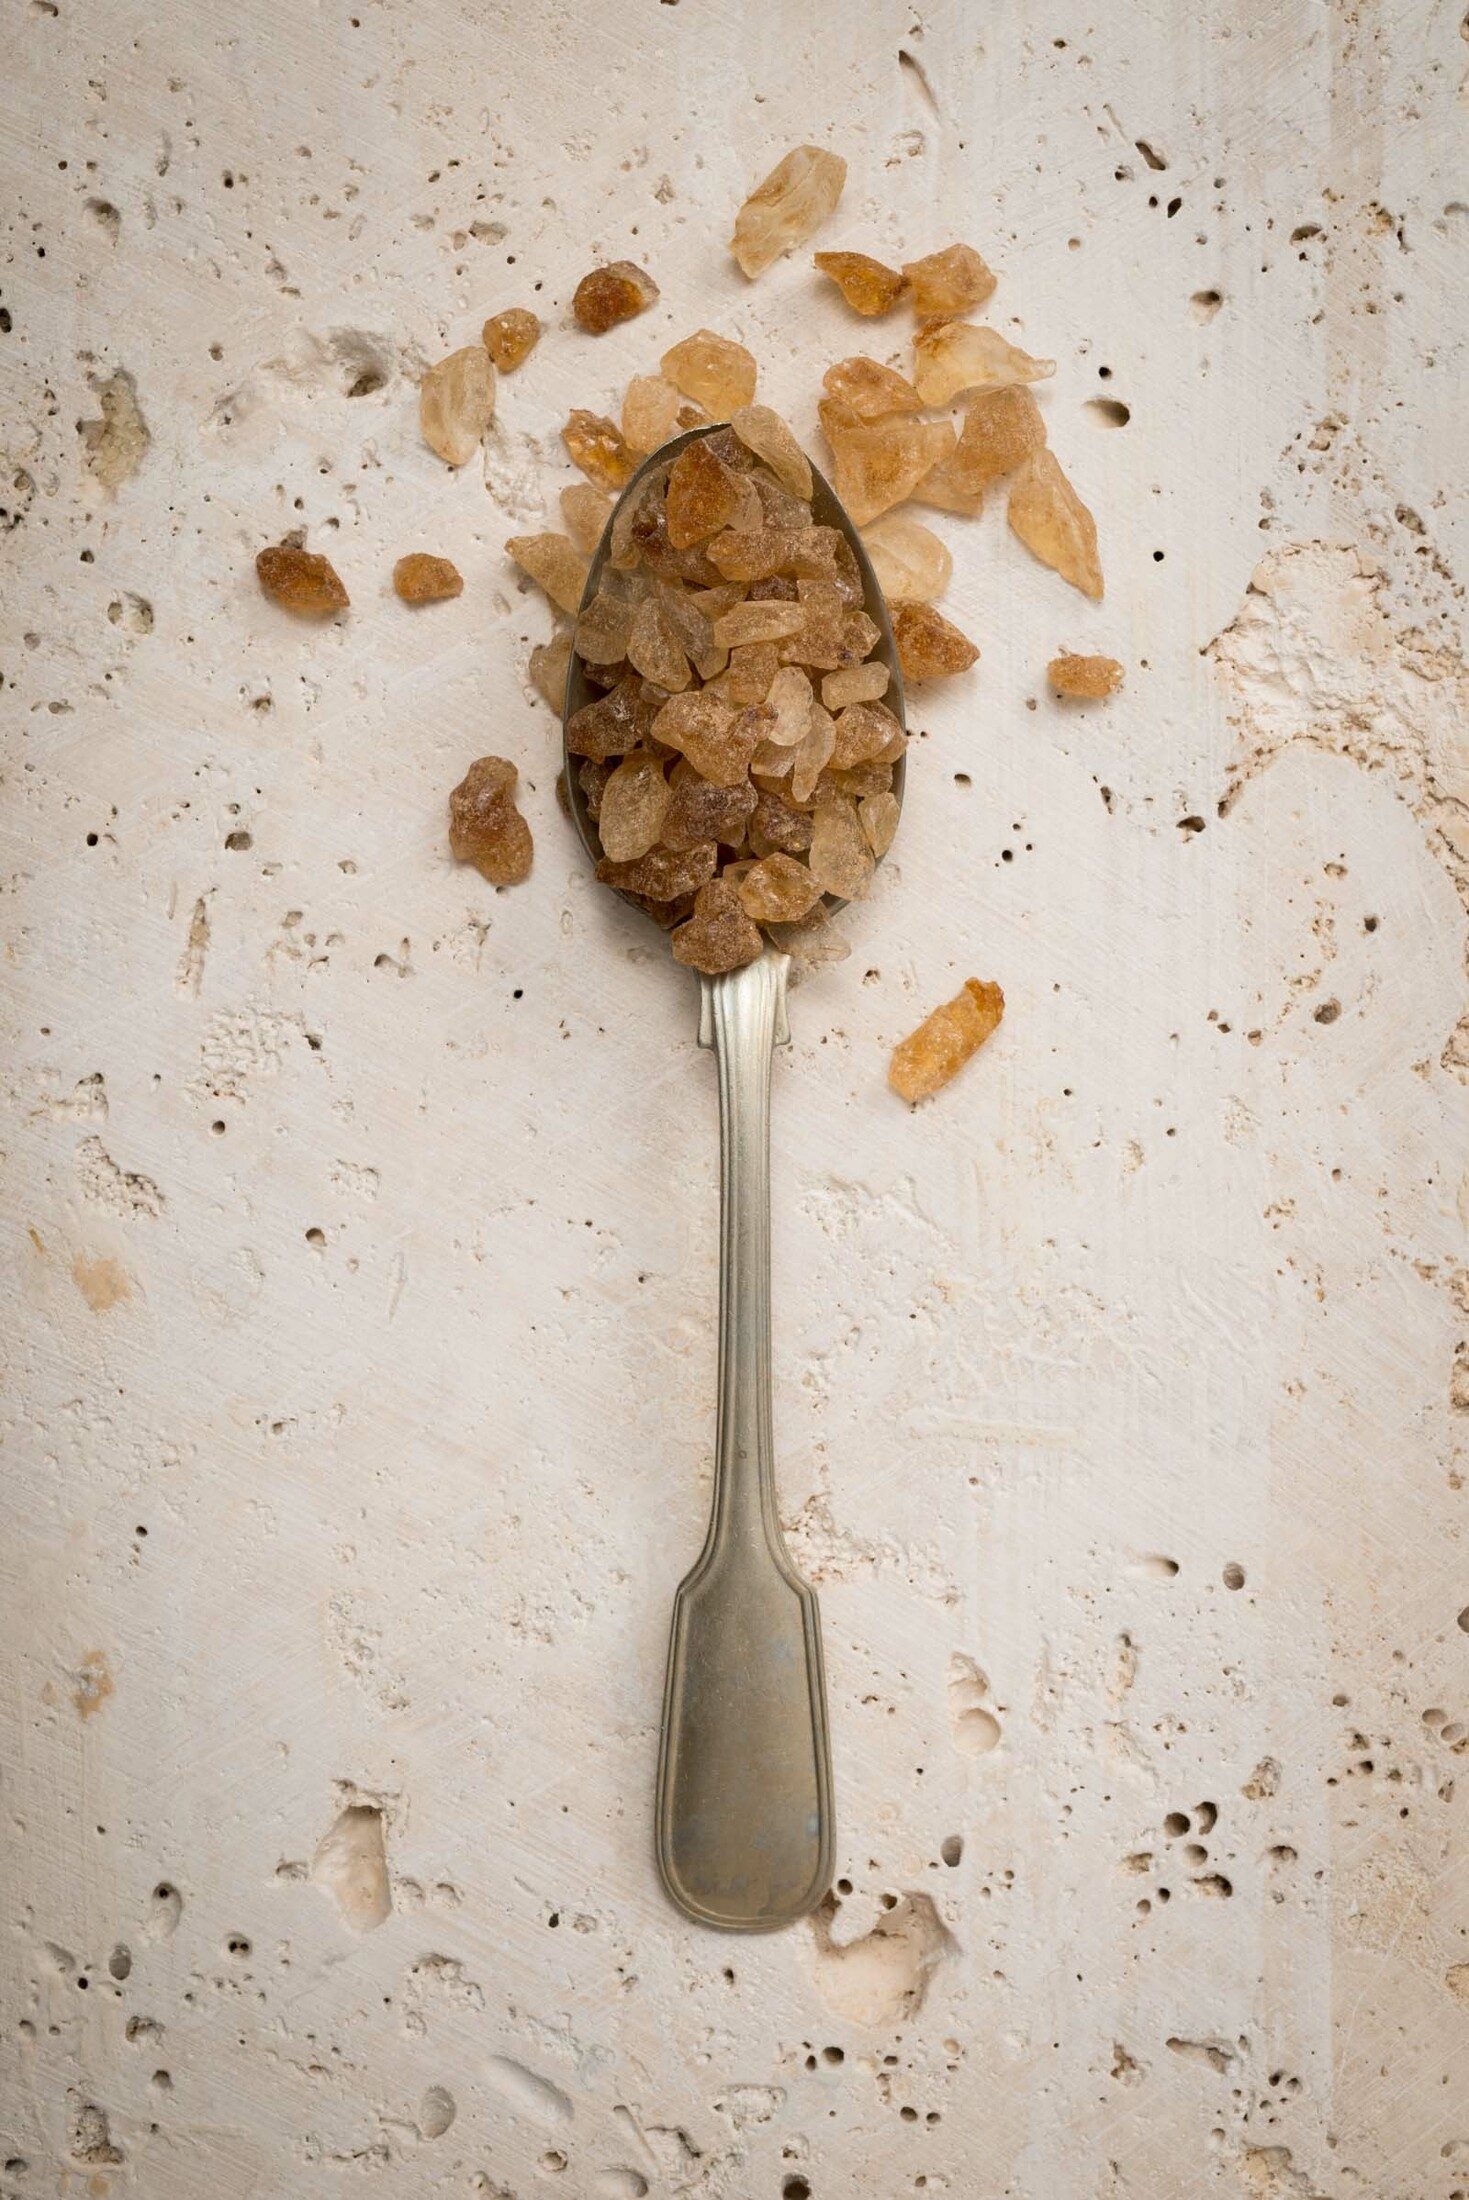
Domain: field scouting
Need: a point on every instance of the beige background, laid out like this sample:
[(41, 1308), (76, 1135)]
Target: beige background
[(360, 1223)]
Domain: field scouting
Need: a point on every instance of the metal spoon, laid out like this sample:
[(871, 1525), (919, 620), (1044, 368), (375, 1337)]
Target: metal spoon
[(744, 1812)]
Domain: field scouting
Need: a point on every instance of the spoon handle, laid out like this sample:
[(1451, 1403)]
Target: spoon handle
[(744, 1773)]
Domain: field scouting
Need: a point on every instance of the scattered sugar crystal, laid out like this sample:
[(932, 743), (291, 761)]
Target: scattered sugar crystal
[(870, 390), (456, 403), (485, 827), (956, 484), (1091, 678), (420, 578), (929, 646), (952, 281), (585, 511), (798, 195), (714, 371), (952, 356), (596, 445), (612, 294), (554, 563), (878, 463), (945, 1040), (300, 581), (867, 286), (1002, 429), (911, 564), (1051, 520), (510, 337)]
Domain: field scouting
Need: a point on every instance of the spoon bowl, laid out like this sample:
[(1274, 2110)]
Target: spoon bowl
[(827, 510)]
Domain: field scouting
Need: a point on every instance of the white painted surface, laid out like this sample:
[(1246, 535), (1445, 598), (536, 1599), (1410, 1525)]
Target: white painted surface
[(1174, 1275)]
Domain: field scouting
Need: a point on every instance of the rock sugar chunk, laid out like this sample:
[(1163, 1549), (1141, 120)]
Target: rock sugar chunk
[(879, 815), (300, 581), (717, 741), (1051, 520), (867, 286), (777, 890), (663, 874), (654, 411), (860, 683), (926, 1060), (485, 827), (456, 403), (596, 445), (871, 390), (777, 826), (612, 294), (653, 646), (510, 337), (911, 564), (602, 630), (950, 357), (585, 511), (549, 662), (1002, 429), (718, 936), (699, 811), (420, 578), (840, 858), (930, 647), (876, 464), (703, 495), (633, 806), (955, 280), (615, 724), (799, 194), (714, 371), (554, 563), (766, 434), (1090, 679)]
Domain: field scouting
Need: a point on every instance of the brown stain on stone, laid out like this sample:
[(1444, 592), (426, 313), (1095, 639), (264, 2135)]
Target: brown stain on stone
[(102, 1281), (94, 1683)]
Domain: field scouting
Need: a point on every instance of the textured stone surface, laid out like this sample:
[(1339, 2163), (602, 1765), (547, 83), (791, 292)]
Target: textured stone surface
[(360, 1222)]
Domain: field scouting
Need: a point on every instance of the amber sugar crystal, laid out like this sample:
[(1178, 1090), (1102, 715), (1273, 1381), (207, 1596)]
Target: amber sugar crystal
[(300, 581), (1051, 520), (955, 280), (926, 1060), (798, 195), (868, 287), (1089, 679), (510, 337), (612, 294), (485, 827), (420, 578), (930, 647), (713, 371), (596, 444)]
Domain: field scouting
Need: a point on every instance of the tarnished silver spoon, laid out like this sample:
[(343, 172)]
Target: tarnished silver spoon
[(744, 1825)]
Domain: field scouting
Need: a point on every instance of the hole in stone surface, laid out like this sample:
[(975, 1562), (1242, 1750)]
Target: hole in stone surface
[(1233, 1576), (120, 1962), (952, 1848), (1108, 412)]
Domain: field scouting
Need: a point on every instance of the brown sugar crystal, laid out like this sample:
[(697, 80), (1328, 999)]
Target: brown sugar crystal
[(950, 357), (420, 578), (797, 196), (1002, 429), (718, 936), (510, 337), (612, 294), (876, 464), (485, 827), (867, 286), (872, 390), (1089, 679), (955, 280), (1051, 520), (714, 371), (456, 403), (555, 563), (300, 581), (930, 647), (596, 445), (703, 495), (944, 1041)]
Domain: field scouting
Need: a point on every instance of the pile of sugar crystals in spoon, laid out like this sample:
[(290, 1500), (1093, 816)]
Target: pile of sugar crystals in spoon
[(739, 761)]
